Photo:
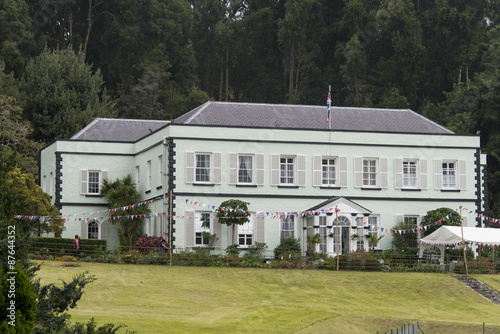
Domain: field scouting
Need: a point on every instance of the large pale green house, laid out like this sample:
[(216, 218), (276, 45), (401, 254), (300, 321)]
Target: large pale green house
[(368, 170)]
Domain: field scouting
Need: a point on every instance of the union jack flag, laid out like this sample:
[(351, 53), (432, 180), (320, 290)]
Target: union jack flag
[(328, 104)]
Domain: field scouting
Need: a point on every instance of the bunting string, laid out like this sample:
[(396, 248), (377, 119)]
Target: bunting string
[(93, 213), (259, 214)]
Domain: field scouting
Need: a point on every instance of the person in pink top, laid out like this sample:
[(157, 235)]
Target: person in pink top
[(76, 245)]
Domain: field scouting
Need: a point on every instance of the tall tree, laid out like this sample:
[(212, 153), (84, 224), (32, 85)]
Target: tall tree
[(120, 193), (15, 137), (231, 213), (130, 39), (354, 73), (256, 65), (31, 200), (16, 40), (300, 47), (63, 94)]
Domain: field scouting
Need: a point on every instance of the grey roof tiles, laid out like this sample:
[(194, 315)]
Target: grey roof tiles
[(118, 130), (260, 115), (310, 117)]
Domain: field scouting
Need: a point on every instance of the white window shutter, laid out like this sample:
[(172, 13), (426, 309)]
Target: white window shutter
[(462, 172), (233, 168), (259, 228), (189, 167), (383, 173), (317, 179), (84, 182), (358, 172), (217, 168), (301, 170), (342, 168), (275, 170), (84, 229), (189, 228), (259, 169), (423, 173), (398, 219), (398, 173), (438, 174), (104, 230), (217, 230)]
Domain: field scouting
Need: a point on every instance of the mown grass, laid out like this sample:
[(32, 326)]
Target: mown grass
[(162, 299)]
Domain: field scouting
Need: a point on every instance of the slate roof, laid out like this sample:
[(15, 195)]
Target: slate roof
[(118, 130), (310, 117)]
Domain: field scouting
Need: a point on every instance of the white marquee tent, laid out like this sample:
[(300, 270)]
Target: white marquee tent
[(452, 235)]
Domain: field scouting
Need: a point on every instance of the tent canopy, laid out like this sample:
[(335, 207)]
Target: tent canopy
[(452, 235)]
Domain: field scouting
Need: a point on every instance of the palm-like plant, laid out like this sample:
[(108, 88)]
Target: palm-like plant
[(120, 193), (374, 239)]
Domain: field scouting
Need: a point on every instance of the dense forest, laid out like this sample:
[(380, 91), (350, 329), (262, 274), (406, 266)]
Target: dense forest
[(65, 62)]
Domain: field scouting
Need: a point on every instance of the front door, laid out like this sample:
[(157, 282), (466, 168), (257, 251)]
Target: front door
[(345, 235), (345, 239)]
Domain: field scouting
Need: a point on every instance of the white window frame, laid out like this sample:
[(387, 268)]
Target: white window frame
[(410, 173), (246, 233), (199, 227), (93, 233), (148, 175), (285, 173), (160, 170), (251, 170), (367, 175), (215, 170), (447, 184), (197, 168), (287, 226), (373, 221), (84, 181), (360, 242), (94, 182), (460, 174), (51, 184), (137, 178), (326, 174)]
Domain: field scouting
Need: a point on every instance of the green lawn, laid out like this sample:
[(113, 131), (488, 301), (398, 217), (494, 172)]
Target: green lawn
[(162, 299)]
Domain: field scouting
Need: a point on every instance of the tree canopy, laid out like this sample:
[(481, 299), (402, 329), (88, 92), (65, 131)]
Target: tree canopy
[(159, 59), (233, 212), (31, 200), (63, 94)]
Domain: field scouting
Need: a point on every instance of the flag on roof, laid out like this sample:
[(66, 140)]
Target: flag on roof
[(328, 103)]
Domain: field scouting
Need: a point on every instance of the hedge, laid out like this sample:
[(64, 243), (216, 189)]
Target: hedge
[(64, 246)]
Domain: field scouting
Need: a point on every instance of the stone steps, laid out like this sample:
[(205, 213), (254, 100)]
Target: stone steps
[(481, 288)]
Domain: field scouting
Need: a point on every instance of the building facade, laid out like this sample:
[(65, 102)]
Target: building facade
[(358, 175)]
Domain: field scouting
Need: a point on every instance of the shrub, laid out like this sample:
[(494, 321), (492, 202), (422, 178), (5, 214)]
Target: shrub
[(475, 266), (64, 246), (146, 244), (233, 250), (287, 245), (133, 256), (360, 260), (257, 250)]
